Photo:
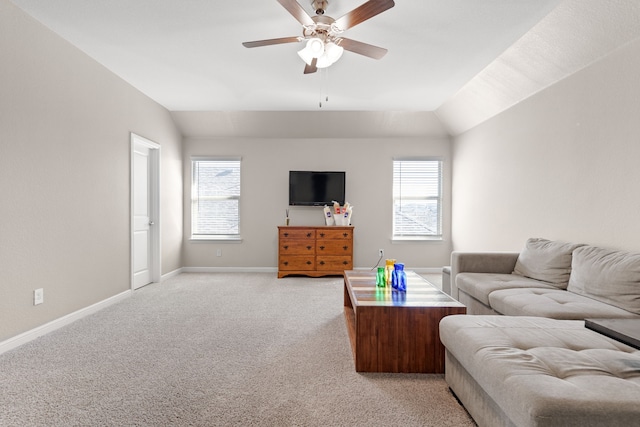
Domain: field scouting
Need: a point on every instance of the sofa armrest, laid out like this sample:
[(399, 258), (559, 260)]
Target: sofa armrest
[(480, 262)]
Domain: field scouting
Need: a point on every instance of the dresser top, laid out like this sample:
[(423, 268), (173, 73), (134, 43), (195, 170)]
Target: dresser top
[(306, 227)]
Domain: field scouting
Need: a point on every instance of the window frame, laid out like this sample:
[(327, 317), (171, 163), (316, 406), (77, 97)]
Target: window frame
[(438, 236), (195, 200)]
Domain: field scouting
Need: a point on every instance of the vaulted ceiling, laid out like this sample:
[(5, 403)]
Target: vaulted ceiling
[(465, 60)]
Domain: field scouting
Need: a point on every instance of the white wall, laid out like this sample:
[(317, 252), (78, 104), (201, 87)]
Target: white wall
[(65, 124), (265, 174), (563, 164)]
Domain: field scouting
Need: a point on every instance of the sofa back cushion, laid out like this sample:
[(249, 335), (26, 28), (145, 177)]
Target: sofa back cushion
[(546, 260), (606, 275)]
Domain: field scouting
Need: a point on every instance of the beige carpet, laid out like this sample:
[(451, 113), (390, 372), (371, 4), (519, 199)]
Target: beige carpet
[(215, 350)]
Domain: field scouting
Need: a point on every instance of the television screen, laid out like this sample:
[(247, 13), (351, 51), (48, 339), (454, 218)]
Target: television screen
[(308, 188)]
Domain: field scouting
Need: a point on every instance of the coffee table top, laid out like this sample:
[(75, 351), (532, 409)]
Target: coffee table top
[(420, 293), (623, 330)]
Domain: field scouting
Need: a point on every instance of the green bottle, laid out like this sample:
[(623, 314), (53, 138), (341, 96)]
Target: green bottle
[(380, 281)]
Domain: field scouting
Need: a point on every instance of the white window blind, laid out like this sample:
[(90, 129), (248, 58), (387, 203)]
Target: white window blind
[(215, 198), (417, 199)]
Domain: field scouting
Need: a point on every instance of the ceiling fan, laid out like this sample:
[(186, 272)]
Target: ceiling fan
[(323, 34)]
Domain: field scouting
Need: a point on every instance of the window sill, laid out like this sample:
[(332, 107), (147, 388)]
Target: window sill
[(220, 238), (416, 239)]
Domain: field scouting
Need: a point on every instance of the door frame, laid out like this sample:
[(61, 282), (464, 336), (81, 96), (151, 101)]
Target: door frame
[(154, 208)]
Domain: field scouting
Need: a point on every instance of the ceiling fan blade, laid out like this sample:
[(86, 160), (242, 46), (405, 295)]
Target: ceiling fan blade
[(365, 49), (294, 8), (308, 69), (269, 42), (362, 13)]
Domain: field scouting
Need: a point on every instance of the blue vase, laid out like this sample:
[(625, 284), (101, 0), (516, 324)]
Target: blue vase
[(394, 278), (401, 277)]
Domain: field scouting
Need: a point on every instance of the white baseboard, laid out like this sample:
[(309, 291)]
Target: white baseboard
[(426, 270), (31, 335), (171, 274), (229, 270)]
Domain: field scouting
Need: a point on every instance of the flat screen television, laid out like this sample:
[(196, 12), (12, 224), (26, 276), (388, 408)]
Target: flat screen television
[(310, 188)]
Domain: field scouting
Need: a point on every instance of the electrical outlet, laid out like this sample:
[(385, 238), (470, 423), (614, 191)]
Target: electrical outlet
[(219, 252), (380, 253), (38, 296)]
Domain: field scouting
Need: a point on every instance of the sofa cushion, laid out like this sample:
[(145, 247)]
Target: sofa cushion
[(546, 260), (480, 285), (552, 303), (609, 276), (546, 372)]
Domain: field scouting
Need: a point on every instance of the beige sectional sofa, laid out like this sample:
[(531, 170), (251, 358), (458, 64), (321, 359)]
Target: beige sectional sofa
[(531, 371), (523, 357), (549, 279)]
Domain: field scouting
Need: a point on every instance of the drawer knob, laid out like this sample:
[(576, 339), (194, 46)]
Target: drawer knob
[(286, 263), (308, 262), (322, 234), (309, 248), (345, 234), (286, 246), (286, 234), (322, 248), (345, 247), (345, 262), (308, 234), (321, 262)]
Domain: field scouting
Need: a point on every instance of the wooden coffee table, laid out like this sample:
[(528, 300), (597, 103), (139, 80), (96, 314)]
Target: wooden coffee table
[(393, 331), (624, 330)]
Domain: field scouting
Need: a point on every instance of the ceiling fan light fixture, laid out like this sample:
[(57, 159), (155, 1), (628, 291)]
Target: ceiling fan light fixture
[(315, 46), (333, 51), (305, 55), (323, 62)]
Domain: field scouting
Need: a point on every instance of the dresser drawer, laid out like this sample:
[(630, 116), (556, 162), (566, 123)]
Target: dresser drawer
[(297, 247), (297, 233), (334, 263), (340, 233), (297, 262), (334, 247)]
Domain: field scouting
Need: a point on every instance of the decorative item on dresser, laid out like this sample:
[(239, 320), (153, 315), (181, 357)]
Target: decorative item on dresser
[(314, 251)]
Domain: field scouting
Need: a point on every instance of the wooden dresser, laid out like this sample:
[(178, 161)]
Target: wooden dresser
[(314, 251)]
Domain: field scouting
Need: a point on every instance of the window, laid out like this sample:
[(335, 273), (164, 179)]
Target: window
[(417, 199), (215, 199)]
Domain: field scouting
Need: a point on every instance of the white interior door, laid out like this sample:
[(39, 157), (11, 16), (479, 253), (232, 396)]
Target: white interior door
[(144, 212)]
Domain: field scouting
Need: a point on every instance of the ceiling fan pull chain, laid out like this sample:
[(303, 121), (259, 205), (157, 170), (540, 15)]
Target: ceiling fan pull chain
[(320, 103), (326, 81), (324, 85), (324, 91)]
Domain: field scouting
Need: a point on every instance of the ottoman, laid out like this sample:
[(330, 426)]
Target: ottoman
[(534, 371)]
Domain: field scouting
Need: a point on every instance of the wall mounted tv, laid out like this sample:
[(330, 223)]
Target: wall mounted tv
[(310, 188)]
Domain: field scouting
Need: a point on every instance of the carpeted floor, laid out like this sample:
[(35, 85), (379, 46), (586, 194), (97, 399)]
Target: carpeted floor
[(215, 350)]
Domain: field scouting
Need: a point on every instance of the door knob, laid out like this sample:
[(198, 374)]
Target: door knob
[(151, 223)]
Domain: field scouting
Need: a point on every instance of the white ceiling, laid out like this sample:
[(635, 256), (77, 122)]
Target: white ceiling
[(187, 54), (576, 34)]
